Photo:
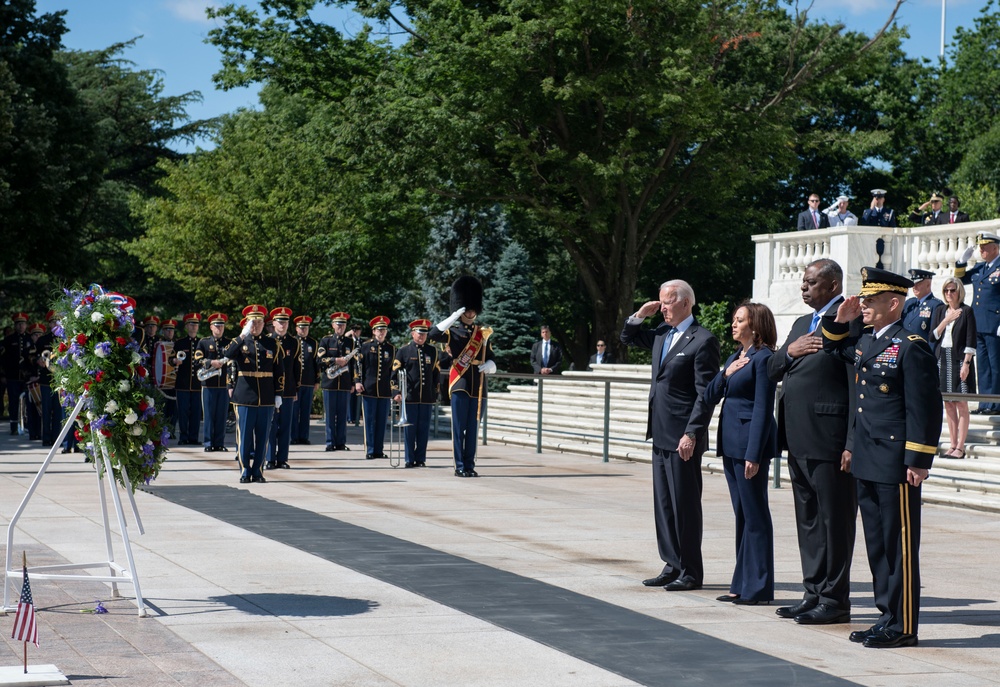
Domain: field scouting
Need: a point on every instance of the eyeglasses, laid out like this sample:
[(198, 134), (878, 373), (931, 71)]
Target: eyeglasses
[(951, 290)]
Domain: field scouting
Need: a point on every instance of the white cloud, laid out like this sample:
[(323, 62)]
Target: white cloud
[(190, 10)]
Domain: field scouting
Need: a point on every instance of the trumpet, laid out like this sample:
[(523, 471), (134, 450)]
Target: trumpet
[(181, 356), (46, 358)]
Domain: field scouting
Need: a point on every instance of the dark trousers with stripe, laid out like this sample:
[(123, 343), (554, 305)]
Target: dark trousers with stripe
[(253, 426), (215, 403), (890, 514), (281, 432), (465, 413), (300, 413), (335, 405), (14, 390), (188, 416), (376, 412), (52, 415), (417, 432)]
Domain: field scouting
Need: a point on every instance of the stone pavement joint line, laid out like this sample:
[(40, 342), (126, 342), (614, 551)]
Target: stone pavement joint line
[(633, 645)]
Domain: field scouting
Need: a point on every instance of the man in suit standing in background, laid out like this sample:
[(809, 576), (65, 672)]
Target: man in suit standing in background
[(813, 218), (685, 359), (546, 355), (602, 356), (814, 411)]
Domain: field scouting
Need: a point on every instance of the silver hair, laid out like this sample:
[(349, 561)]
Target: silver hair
[(682, 288)]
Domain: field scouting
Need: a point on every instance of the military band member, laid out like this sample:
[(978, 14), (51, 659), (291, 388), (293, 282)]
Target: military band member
[(354, 405), (896, 431), (16, 347), (472, 359), (335, 353), (167, 328), (917, 311), (373, 380), (52, 414), (257, 391), (150, 325), (31, 371), (214, 393), (187, 387), (418, 362), (308, 364), (281, 423)]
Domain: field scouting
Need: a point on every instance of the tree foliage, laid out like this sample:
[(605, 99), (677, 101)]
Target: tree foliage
[(509, 308)]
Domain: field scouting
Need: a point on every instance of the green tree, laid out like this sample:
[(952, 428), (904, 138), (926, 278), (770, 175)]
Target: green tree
[(509, 308)]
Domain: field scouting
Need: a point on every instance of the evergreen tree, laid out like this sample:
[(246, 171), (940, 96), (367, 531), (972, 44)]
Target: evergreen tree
[(509, 307)]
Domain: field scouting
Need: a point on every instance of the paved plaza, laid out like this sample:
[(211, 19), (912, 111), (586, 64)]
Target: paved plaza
[(343, 571)]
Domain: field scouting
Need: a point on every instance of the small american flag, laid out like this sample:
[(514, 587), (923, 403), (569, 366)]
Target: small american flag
[(25, 629)]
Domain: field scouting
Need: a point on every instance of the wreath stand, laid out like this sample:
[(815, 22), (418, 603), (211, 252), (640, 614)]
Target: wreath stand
[(116, 573)]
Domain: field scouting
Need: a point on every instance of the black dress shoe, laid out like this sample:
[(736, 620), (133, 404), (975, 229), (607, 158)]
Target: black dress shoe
[(258, 479), (749, 602), (305, 442), (471, 473), (370, 457), (244, 480), (284, 466), (420, 465), (460, 473), (341, 447), (797, 609), (381, 455), (682, 586), (65, 450), (330, 448), (859, 636), (824, 615), (410, 465), (890, 639), (221, 448), (209, 449), (661, 580), (728, 598), (270, 465)]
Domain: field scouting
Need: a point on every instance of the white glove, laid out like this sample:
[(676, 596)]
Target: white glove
[(277, 402), (247, 328), (968, 254), (488, 368), (444, 324)]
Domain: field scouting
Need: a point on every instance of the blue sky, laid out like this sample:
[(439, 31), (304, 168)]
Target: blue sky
[(173, 34)]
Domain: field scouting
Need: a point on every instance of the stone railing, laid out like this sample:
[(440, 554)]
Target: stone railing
[(781, 259)]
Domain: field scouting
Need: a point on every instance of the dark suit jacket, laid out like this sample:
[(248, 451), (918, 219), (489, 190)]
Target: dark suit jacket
[(816, 402), (928, 218), (746, 425), (609, 358), (806, 221), (677, 403), (555, 356), (963, 332)]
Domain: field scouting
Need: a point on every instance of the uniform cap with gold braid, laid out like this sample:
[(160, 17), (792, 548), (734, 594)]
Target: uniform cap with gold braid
[(169, 324), (255, 312), (339, 317), (151, 319), (218, 318), (420, 325), (919, 275), (303, 321), (875, 281), (36, 328), (984, 238), (379, 322), (281, 313), (936, 197), (192, 317), (19, 317)]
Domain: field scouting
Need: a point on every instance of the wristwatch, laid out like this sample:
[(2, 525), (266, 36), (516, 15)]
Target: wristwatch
[(690, 435)]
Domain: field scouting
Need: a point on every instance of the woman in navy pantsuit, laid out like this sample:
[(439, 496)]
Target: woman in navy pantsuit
[(747, 440)]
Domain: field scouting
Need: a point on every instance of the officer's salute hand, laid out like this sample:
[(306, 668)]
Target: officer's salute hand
[(647, 309), (849, 309), (807, 344)]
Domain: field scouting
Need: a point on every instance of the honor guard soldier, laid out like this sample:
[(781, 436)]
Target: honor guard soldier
[(877, 215), (31, 373), (985, 280), (281, 424), (472, 359), (308, 364), (257, 391), (373, 380), (188, 387), (16, 347), (417, 362), (167, 329), (150, 325), (336, 351), (918, 310), (52, 414), (897, 426), (208, 360)]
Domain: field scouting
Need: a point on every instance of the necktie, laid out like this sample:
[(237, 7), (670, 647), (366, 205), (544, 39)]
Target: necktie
[(667, 342), (952, 220), (815, 322), (816, 219), (545, 355)]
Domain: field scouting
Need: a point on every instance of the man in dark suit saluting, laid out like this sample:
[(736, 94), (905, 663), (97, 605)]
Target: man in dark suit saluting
[(685, 359), (813, 417)]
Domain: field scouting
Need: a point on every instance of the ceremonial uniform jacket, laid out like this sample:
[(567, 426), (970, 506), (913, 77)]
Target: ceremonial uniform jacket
[(986, 294), (46, 342), (374, 369), (289, 345), (187, 371), (308, 361), (874, 217), (331, 347), (210, 349), (422, 370), (259, 370), (917, 315), (897, 423), (928, 218), (16, 348), (456, 339)]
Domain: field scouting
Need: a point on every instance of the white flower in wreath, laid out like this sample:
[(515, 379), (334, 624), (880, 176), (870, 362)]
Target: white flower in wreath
[(124, 386), (135, 358), (96, 317), (136, 431), (131, 418), (78, 312), (80, 362), (100, 352), (111, 406), (150, 402)]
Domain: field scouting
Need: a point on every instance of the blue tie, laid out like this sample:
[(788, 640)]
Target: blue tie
[(666, 343), (815, 322)]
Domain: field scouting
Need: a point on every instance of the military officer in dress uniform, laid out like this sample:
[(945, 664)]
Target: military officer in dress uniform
[(281, 423), (308, 348), (52, 414), (16, 347), (373, 380), (472, 358), (985, 279), (877, 214), (256, 392), (336, 350), (918, 310), (167, 329), (188, 387), (896, 430), (150, 325), (214, 394), (418, 362)]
